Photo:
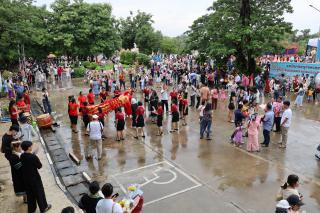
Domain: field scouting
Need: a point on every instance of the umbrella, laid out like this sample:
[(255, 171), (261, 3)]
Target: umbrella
[(51, 56)]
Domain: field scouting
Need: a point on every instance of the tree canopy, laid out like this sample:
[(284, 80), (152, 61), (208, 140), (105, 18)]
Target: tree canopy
[(244, 28)]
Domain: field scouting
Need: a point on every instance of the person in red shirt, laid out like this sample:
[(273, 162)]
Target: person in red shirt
[(26, 97), (175, 117), (159, 113), (22, 105), (90, 97), (140, 120), (103, 95), (174, 95), (81, 99), (85, 114), (146, 92), (120, 123), (13, 111), (185, 109), (73, 114)]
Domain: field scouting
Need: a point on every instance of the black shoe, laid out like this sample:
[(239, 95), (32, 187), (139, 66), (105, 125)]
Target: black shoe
[(48, 208), (317, 156), (265, 145)]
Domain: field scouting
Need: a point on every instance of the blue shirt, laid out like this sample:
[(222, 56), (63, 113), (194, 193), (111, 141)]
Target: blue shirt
[(268, 120)]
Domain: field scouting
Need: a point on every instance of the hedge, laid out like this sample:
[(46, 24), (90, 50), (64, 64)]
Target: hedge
[(128, 58), (79, 72)]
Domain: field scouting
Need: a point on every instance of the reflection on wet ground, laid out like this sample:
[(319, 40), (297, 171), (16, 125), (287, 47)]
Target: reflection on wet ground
[(232, 179)]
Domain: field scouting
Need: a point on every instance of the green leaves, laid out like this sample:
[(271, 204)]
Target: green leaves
[(243, 28)]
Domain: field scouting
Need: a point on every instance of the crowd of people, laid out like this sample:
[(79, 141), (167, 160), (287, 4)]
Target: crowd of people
[(168, 89)]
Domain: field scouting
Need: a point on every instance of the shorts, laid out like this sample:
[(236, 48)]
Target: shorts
[(120, 125), (73, 119), (175, 117), (140, 121)]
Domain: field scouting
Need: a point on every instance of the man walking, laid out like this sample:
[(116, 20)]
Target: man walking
[(285, 123), (267, 121), (94, 129)]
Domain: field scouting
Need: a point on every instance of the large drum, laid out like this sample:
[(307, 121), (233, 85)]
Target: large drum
[(44, 121)]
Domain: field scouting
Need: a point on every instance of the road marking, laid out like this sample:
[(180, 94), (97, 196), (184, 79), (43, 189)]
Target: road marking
[(167, 182), (171, 195), (137, 169)]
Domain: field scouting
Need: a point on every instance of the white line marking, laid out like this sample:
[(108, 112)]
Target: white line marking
[(167, 182), (171, 195), (184, 174), (49, 158), (137, 169), (120, 185)]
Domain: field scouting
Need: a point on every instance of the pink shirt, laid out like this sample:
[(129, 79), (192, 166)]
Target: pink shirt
[(214, 93)]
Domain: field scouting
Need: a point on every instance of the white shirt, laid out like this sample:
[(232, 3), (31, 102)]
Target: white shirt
[(105, 206), (164, 95), (95, 130), (27, 131), (286, 114)]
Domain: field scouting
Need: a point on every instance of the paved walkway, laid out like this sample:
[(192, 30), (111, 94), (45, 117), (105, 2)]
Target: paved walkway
[(11, 203)]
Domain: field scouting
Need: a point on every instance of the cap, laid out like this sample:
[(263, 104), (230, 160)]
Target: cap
[(95, 116), (25, 145), (294, 200), (283, 204)]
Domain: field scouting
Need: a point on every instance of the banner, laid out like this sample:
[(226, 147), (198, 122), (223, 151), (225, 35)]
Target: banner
[(318, 50), (292, 69)]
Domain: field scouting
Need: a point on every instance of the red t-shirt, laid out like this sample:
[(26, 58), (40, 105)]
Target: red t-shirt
[(185, 102), (13, 110), (146, 91), (101, 115), (119, 116), (26, 98), (174, 108), (73, 109), (84, 111), (173, 94), (140, 110), (103, 95), (160, 110), (82, 99), (21, 104), (90, 97)]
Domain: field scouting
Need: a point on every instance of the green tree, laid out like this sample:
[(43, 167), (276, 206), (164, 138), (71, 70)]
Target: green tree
[(83, 29), (244, 28), (137, 29)]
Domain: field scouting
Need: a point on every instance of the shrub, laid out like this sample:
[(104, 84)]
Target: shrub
[(86, 64), (127, 57), (143, 59), (6, 74), (79, 72)]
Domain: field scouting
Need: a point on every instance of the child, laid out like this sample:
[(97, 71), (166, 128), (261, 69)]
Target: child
[(27, 131), (222, 94), (140, 120), (310, 94), (120, 123), (214, 98), (185, 109), (175, 117), (103, 95), (200, 109), (159, 113), (45, 101), (101, 115), (237, 136)]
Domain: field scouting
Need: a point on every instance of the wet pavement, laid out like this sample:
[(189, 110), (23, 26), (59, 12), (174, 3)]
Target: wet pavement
[(179, 172)]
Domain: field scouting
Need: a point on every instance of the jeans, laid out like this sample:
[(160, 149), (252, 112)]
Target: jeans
[(198, 101), (277, 121), (165, 103), (46, 106), (193, 100), (122, 84), (266, 135), (205, 125)]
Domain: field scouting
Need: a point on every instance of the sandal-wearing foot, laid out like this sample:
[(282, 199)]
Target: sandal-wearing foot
[(122, 139), (136, 137), (143, 136), (172, 130)]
